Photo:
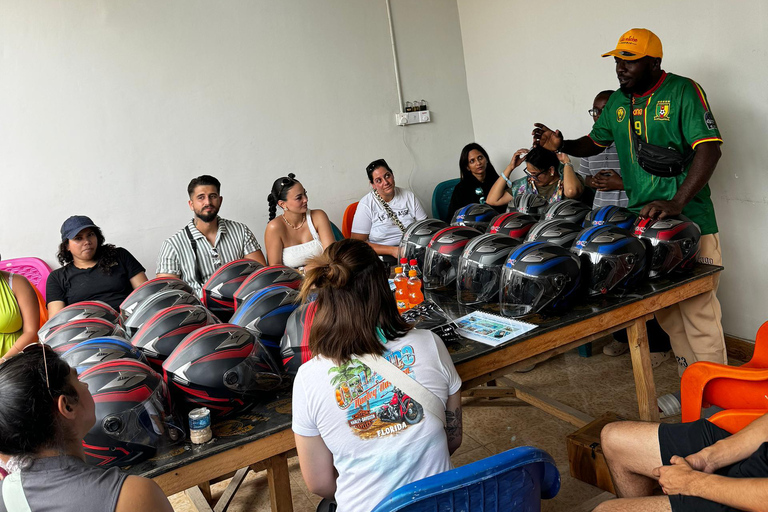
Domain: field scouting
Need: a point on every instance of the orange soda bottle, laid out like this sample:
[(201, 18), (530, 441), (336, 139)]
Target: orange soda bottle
[(401, 290), (415, 296)]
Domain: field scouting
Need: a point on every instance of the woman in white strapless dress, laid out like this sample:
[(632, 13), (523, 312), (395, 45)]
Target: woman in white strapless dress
[(298, 234)]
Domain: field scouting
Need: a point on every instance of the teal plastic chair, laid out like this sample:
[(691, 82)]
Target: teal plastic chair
[(441, 199), (336, 232)]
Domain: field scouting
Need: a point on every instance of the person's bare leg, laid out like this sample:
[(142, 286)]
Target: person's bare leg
[(648, 504), (631, 449)]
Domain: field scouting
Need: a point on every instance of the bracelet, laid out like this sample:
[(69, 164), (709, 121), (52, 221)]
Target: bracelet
[(567, 164), (507, 180)]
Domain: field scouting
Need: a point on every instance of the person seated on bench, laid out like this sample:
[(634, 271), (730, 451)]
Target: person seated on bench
[(477, 177), (358, 436), (19, 314)]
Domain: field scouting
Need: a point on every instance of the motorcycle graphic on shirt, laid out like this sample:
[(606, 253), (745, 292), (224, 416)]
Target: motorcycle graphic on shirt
[(374, 407)]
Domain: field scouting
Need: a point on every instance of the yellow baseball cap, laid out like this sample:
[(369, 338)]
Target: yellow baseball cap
[(636, 44)]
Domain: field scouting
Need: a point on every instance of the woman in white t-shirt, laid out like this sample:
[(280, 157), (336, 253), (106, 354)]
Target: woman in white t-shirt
[(298, 234), (358, 437), (385, 213)]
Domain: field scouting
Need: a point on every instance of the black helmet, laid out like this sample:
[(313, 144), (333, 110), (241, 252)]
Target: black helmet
[(673, 243), (218, 366), (414, 243), (530, 204), (539, 276), (474, 215), (154, 304), (89, 309), (480, 268), (77, 331), (267, 276), (571, 210), (98, 350), (160, 335), (514, 224), (148, 289), (556, 231), (294, 347), (219, 290), (611, 258), (613, 215), (133, 414), (441, 259)]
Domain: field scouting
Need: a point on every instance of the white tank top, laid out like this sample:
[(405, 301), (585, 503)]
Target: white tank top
[(297, 255)]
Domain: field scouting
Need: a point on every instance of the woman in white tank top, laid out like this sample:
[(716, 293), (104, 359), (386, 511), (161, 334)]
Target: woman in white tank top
[(298, 234)]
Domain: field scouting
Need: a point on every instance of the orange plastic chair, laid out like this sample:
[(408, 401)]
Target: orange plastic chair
[(346, 222)]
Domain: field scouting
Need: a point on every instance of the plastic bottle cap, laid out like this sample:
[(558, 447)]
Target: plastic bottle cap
[(398, 270), (413, 263), (412, 273)]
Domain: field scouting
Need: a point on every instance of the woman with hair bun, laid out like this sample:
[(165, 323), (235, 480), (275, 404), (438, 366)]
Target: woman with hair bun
[(298, 234), (46, 412), (358, 437)]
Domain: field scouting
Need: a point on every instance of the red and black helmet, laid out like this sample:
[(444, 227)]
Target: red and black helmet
[(673, 243), (513, 224), (267, 276), (148, 289), (98, 350), (154, 304), (441, 261), (88, 309), (416, 238), (219, 367), (474, 215), (294, 347), (133, 414), (162, 333), (219, 290), (571, 210), (610, 215), (77, 331)]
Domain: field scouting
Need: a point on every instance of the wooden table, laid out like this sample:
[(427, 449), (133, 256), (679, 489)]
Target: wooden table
[(262, 439)]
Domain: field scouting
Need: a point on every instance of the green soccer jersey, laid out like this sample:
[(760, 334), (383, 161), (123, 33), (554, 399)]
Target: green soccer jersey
[(673, 114)]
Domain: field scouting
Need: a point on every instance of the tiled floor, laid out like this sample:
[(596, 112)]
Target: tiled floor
[(593, 385)]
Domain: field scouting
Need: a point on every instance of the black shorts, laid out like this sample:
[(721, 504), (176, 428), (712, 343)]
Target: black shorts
[(683, 439)]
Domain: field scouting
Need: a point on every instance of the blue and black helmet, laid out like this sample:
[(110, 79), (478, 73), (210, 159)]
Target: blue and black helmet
[(98, 350), (611, 215), (474, 215), (612, 259)]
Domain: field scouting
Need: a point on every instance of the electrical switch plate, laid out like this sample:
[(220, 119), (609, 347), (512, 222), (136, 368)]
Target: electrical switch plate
[(408, 118), (401, 119)]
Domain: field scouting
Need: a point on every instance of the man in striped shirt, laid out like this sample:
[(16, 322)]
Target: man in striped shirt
[(194, 253)]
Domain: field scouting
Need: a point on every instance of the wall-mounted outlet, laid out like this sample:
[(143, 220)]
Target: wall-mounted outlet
[(407, 118), (401, 119)]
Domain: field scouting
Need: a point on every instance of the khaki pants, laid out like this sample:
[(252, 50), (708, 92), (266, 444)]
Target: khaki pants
[(694, 325)]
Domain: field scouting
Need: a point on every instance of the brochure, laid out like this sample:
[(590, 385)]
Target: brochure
[(491, 329)]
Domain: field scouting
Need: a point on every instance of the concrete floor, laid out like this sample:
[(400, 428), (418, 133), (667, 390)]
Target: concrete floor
[(593, 385)]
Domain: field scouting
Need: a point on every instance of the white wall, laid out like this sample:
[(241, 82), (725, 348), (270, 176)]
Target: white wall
[(532, 62), (109, 108)]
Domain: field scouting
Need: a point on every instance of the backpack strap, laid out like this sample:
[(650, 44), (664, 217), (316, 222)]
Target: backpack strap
[(193, 243)]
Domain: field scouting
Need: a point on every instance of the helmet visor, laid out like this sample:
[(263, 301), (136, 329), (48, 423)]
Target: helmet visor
[(605, 272), (522, 294), (439, 270), (149, 423), (477, 282), (254, 374), (666, 256)]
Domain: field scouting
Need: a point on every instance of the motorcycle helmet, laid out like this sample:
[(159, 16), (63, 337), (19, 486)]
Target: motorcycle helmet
[(154, 304), (148, 289), (556, 231), (514, 224), (266, 314), (77, 331), (133, 414), (474, 215), (167, 328), (611, 258), (571, 210), (480, 268), (414, 243), (539, 276), (219, 366), (89, 309), (294, 346), (267, 276), (97, 350), (613, 215), (441, 259), (530, 204), (219, 290), (673, 244)]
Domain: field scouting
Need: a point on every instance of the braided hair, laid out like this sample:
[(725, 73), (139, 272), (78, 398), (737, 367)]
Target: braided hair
[(279, 192)]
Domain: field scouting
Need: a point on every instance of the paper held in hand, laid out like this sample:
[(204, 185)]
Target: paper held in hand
[(491, 329)]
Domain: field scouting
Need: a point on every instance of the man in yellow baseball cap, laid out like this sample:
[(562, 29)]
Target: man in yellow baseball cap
[(636, 44)]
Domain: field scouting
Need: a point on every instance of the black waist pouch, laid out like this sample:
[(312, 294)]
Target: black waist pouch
[(659, 161)]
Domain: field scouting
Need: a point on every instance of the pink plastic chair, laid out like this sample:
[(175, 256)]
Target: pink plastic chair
[(34, 269)]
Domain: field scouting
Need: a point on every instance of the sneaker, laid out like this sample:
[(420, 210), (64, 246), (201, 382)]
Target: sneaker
[(669, 405), (615, 348), (658, 357)]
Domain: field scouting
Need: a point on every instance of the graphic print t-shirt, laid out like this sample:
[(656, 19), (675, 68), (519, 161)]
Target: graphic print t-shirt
[(371, 218), (380, 438)]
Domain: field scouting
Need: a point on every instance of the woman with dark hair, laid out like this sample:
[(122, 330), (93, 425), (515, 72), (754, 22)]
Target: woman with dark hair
[(46, 412), (298, 234), (542, 178), (91, 269), (358, 437), (477, 177)]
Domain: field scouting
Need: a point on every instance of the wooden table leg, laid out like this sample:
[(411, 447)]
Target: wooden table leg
[(641, 367), (279, 483)]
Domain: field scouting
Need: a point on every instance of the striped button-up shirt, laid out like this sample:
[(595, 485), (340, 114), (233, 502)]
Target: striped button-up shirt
[(590, 166), (233, 241)]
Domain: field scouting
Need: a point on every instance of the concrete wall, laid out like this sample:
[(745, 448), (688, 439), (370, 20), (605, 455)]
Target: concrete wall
[(108, 109), (532, 62)]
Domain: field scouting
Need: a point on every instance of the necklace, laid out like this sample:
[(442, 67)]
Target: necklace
[(303, 219)]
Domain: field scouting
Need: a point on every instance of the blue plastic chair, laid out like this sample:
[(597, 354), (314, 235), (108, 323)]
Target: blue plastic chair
[(513, 480), (441, 199), (336, 232)]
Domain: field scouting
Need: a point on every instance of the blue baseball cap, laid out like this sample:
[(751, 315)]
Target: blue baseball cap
[(75, 224)]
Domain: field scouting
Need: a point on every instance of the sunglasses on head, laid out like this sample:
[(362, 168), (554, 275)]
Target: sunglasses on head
[(32, 347), (377, 163)]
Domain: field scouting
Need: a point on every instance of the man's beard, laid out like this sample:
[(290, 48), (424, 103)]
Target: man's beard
[(207, 217)]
